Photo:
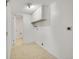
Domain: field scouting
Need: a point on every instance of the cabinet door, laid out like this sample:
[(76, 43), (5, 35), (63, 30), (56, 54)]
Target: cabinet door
[(37, 15)]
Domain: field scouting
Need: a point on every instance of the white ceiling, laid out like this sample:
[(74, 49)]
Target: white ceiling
[(31, 9), (18, 6)]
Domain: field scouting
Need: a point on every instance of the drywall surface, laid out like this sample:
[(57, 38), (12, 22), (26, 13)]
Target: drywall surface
[(55, 37), (29, 33), (9, 28), (8, 39), (46, 38), (61, 18)]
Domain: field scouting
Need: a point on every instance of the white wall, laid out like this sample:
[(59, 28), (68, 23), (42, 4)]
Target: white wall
[(61, 18), (29, 34), (8, 39), (55, 37), (10, 30)]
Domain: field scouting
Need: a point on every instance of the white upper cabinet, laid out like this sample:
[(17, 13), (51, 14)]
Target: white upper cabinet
[(37, 15), (41, 15)]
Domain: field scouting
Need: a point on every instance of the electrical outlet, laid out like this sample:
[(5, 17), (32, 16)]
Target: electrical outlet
[(42, 44)]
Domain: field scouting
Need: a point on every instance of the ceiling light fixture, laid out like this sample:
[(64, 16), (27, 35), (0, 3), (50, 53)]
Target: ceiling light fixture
[(29, 5)]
